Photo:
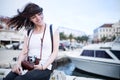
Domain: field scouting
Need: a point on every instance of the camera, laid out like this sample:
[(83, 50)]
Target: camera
[(33, 59)]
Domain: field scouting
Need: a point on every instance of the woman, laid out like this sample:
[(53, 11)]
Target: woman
[(32, 18)]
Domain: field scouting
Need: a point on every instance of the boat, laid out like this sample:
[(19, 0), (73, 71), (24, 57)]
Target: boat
[(101, 59)]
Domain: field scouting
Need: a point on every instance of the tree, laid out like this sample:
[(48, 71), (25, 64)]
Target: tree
[(113, 37), (84, 38), (103, 38), (71, 37), (78, 39), (62, 36)]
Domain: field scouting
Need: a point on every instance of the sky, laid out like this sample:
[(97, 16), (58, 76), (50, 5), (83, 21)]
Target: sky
[(83, 15)]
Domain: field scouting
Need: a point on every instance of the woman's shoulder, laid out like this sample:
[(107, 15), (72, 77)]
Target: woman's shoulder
[(54, 27), (27, 32)]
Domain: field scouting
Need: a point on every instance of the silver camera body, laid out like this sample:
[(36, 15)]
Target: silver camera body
[(32, 59)]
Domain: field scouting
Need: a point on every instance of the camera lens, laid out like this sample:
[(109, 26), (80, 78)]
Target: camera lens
[(31, 60)]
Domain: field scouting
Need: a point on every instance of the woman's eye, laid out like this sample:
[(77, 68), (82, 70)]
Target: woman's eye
[(32, 17)]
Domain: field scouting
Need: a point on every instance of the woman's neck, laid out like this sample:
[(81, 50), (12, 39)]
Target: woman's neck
[(39, 28)]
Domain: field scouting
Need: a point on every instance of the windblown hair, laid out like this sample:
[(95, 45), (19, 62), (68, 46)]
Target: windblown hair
[(22, 19)]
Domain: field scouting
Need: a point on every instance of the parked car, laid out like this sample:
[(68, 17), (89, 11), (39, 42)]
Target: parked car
[(12, 46), (9, 46), (16, 46), (62, 47), (21, 46)]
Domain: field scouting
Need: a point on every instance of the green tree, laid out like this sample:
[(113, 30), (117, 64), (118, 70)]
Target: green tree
[(62, 36), (84, 38), (71, 37), (78, 39), (103, 38), (113, 37)]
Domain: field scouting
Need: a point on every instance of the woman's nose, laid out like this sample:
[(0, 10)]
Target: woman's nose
[(37, 17)]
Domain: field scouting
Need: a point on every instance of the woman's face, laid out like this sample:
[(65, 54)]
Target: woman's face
[(37, 19)]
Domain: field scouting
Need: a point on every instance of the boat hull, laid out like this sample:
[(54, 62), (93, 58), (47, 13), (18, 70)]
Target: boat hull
[(98, 67)]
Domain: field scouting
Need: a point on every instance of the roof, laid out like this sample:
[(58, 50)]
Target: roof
[(106, 26)]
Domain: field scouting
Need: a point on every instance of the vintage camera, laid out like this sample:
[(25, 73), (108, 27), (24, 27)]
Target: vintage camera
[(33, 59)]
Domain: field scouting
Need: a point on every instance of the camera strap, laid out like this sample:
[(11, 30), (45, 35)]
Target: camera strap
[(42, 43), (29, 36)]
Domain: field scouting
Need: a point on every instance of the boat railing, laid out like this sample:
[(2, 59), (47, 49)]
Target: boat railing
[(105, 47)]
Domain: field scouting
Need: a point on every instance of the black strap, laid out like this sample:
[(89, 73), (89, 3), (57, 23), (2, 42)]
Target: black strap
[(54, 64), (51, 34), (42, 43), (28, 32)]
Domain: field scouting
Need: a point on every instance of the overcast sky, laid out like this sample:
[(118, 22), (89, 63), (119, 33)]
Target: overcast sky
[(83, 15)]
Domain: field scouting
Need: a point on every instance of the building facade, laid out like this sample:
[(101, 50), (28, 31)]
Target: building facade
[(9, 35), (116, 28), (106, 30)]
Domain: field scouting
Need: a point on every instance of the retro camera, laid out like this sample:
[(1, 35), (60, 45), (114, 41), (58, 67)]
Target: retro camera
[(32, 59)]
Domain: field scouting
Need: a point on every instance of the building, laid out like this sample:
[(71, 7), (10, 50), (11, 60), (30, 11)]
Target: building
[(8, 35), (116, 28), (3, 22), (107, 30)]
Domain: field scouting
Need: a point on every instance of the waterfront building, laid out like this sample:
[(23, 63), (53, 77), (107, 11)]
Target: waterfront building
[(9, 35), (106, 30)]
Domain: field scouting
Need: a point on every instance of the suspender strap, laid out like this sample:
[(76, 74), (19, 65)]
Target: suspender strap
[(51, 34), (54, 64), (29, 36), (42, 43)]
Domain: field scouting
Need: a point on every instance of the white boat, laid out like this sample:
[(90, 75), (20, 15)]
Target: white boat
[(102, 59)]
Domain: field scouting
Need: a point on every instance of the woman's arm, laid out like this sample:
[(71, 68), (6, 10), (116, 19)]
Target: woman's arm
[(24, 51), (55, 50), (23, 54)]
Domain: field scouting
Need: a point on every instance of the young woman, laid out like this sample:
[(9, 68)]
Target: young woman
[(32, 18)]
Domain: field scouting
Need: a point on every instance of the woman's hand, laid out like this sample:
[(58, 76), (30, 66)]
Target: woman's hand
[(38, 67), (17, 69)]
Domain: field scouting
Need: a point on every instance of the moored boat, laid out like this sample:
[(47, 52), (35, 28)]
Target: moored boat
[(102, 59)]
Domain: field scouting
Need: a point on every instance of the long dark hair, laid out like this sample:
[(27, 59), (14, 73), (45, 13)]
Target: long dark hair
[(22, 19)]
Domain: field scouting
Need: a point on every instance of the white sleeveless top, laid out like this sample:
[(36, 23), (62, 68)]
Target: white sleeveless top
[(35, 45)]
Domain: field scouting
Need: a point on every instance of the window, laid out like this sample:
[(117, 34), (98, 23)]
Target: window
[(102, 54), (100, 30), (114, 30), (116, 53), (88, 53), (109, 30), (106, 30), (103, 30)]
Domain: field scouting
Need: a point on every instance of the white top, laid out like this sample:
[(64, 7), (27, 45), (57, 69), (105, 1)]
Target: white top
[(35, 45)]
